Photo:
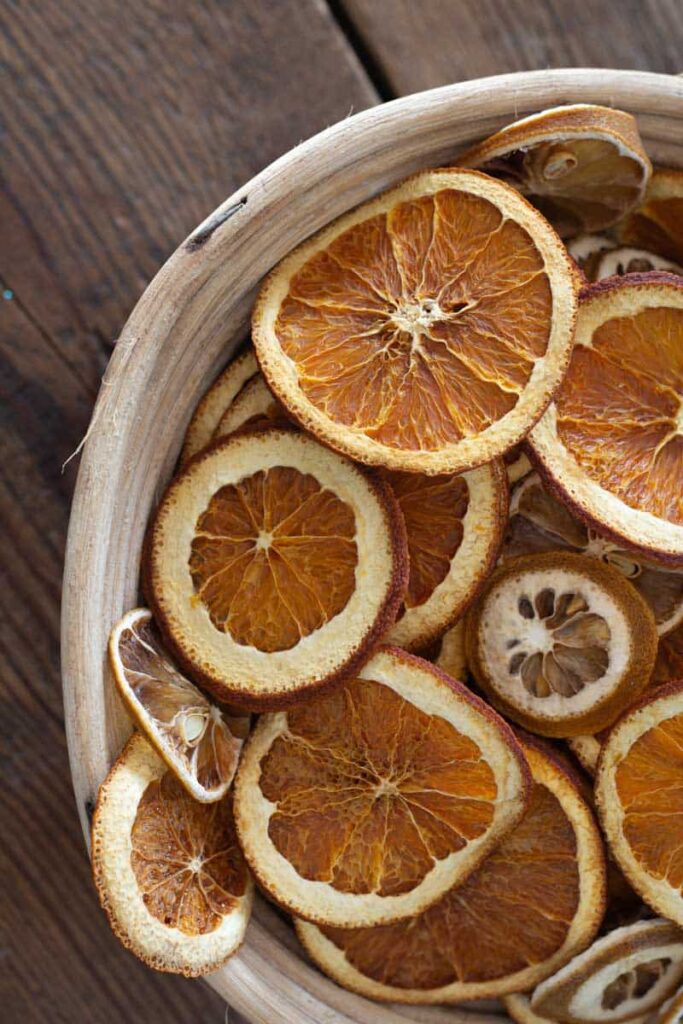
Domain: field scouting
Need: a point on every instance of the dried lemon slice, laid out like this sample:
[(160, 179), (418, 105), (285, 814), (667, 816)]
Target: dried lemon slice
[(625, 974), (424, 331), (639, 790), (254, 404), (496, 932), (611, 445), (657, 225), (560, 643), (454, 526), (583, 166), (274, 566), (198, 740), (538, 522), (367, 804), (168, 870), (217, 399)]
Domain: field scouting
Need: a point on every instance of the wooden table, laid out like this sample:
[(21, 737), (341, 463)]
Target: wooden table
[(123, 124)]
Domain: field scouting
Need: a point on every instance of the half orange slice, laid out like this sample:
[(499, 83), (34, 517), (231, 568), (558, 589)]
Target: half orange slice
[(657, 225)]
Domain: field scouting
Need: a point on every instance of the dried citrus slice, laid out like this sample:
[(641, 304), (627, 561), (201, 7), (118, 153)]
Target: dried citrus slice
[(560, 643), (586, 750), (583, 166), (639, 790), (669, 663), (274, 566), (197, 739), (519, 1009), (629, 972), (169, 872), (611, 445), (217, 399), (657, 225), (625, 260), (539, 522), (536, 901), (517, 464), (424, 331), (450, 654), (254, 404), (671, 1012), (587, 250), (368, 803), (454, 526)]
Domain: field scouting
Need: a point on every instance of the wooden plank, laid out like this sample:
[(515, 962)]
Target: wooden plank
[(411, 46), (123, 125)]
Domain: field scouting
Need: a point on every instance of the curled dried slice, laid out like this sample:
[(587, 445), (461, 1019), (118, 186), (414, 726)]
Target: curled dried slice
[(639, 790), (199, 741), (217, 399), (583, 166), (254, 404), (536, 901), (561, 643), (274, 566), (450, 653), (454, 525), (611, 444), (168, 870), (539, 522), (426, 330), (625, 974), (367, 804), (586, 750), (657, 225)]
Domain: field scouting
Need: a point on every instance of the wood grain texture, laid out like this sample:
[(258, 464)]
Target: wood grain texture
[(414, 46), (186, 324), (122, 126)]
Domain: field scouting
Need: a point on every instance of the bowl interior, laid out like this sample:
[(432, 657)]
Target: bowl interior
[(184, 329)]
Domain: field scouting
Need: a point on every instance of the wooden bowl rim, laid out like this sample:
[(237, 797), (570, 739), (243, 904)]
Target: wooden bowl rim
[(269, 980)]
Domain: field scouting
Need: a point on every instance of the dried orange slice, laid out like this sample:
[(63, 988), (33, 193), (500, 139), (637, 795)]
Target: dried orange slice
[(454, 526), (169, 872), (274, 566), (197, 739), (536, 901), (560, 643), (639, 790), (254, 405), (583, 166), (217, 399), (538, 522), (611, 445), (367, 804), (424, 331), (625, 974), (450, 654), (517, 464), (657, 225), (669, 663)]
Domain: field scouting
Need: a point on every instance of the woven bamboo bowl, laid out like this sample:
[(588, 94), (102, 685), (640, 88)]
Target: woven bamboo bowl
[(180, 334)]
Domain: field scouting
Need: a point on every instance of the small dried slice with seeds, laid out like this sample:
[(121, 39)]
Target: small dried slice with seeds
[(583, 166), (274, 566), (454, 526), (367, 804), (639, 791), (496, 932), (255, 404), (625, 260), (168, 870), (199, 741), (217, 399), (625, 974), (561, 643), (657, 225), (539, 522)]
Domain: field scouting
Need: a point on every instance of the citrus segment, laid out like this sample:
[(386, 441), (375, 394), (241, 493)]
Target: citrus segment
[(254, 405), (657, 225), (217, 399), (426, 330), (561, 643), (169, 872), (454, 527), (495, 932), (639, 790), (198, 740), (583, 166), (366, 804), (539, 522), (612, 444), (624, 974)]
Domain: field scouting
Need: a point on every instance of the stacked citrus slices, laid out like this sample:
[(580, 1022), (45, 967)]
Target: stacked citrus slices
[(433, 514)]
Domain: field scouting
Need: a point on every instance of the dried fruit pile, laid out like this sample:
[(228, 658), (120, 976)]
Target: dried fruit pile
[(430, 530)]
